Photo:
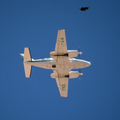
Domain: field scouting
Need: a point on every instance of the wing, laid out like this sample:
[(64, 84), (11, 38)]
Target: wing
[(61, 58), (62, 84), (61, 46), (62, 81)]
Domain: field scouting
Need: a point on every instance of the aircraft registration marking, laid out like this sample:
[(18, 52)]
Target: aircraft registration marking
[(62, 41), (63, 87)]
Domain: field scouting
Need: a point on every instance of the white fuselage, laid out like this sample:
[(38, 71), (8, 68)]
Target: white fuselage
[(48, 63)]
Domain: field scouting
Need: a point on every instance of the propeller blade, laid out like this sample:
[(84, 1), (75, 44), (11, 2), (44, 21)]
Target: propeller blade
[(79, 52), (80, 74)]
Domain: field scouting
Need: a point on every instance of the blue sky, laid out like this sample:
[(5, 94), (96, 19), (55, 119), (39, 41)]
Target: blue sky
[(34, 24)]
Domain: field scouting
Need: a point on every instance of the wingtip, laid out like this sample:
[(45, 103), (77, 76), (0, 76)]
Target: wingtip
[(62, 30)]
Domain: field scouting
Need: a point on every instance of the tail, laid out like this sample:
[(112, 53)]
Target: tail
[(27, 57)]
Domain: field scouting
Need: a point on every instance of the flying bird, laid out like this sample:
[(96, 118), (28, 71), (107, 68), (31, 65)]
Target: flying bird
[(84, 8)]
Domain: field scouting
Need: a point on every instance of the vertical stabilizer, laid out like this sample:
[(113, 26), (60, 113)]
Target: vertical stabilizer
[(27, 66)]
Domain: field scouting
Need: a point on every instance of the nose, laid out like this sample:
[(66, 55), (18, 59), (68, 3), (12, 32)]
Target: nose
[(88, 64)]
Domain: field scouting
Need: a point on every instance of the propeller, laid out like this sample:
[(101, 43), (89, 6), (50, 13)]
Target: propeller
[(79, 53)]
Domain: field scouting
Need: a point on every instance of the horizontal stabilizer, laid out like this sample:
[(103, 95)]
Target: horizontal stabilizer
[(27, 55), (27, 69), (26, 58)]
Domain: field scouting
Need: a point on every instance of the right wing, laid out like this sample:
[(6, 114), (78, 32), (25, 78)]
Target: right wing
[(61, 45), (61, 48)]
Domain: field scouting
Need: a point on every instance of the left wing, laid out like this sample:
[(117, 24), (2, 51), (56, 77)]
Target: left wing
[(62, 84), (62, 81)]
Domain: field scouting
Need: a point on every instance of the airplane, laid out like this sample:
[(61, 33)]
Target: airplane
[(84, 8), (61, 62)]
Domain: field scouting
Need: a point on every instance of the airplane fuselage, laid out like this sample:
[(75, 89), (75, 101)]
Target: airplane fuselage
[(48, 63)]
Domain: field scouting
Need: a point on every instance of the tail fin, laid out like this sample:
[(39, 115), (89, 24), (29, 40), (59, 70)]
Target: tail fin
[(27, 57)]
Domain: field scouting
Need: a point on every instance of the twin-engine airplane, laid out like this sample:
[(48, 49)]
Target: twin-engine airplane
[(61, 62)]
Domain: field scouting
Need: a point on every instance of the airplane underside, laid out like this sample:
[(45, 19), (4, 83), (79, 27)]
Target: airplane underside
[(61, 63), (53, 65)]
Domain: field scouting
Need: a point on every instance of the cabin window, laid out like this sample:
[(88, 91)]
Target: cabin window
[(67, 76), (53, 66)]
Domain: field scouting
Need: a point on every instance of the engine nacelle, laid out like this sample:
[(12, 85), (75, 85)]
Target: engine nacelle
[(70, 53), (72, 74), (53, 75)]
